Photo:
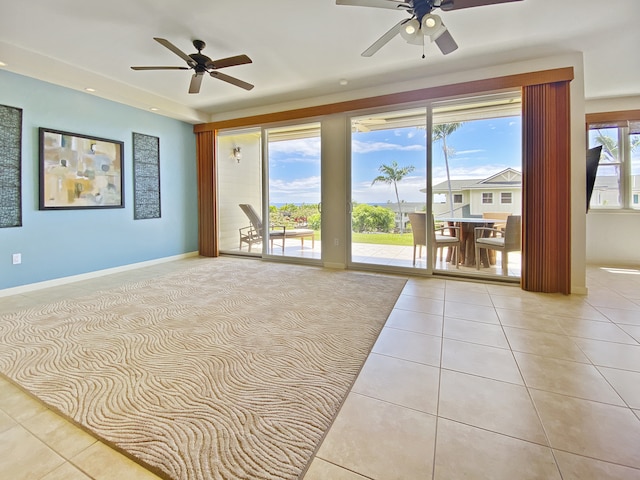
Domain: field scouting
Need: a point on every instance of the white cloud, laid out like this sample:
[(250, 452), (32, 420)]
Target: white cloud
[(306, 147), (368, 147), (307, 160), (469, 152), (408, 190), (299, 190)]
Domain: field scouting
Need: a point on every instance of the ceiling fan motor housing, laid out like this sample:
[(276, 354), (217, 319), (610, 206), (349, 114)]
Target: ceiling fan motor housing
[(199, 44), (202, 61), (421, 8)]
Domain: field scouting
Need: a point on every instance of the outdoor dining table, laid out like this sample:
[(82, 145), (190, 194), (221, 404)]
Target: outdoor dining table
[(467, 256)]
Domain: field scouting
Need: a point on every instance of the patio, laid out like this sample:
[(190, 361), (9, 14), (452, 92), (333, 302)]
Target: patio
[(394, 256)]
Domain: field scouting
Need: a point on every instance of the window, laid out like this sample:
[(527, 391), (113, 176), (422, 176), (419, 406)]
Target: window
[(617, 184), (506, 197), (487, 198), (457, 198)]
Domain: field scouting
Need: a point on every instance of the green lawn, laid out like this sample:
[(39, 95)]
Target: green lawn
[(383, 238)]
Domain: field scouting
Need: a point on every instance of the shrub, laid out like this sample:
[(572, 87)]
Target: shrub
[(368, 218)]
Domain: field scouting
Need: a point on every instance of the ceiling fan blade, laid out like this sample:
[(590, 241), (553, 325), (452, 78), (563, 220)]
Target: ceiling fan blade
[(447, 5), (166, 43), (384, 39), (196, 81), (391, 4), (229, 62), (160, 68), (446, 43), (232, 80)]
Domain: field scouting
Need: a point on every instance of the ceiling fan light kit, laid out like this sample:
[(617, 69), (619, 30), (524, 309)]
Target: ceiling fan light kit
[(410, 32), (432, 26), (422, 22), (414, 32)]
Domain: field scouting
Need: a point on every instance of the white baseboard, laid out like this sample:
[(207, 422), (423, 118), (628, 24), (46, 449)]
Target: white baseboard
[(579, 290), (85, 276)]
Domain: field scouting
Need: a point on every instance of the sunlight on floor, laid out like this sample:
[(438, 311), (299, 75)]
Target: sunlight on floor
[(624, 271)]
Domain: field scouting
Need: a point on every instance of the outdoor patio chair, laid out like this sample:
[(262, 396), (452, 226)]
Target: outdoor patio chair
[(439, 240), (503, 240), (249, 235), (497, 216), (276, 233)]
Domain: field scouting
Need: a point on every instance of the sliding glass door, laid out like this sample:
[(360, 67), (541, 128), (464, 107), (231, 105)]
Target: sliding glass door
[(469, 153), (268, 184), (477, 182), (432, 188), (388, 185), (293, 194)]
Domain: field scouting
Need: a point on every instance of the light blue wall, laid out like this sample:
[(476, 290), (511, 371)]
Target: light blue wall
[(62, 243)]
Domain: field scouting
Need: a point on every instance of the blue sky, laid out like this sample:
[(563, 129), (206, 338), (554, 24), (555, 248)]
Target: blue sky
[(480, 148)]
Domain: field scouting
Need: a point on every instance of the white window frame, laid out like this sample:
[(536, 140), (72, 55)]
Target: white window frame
[(502, 198), (626, 200), (489, 196)]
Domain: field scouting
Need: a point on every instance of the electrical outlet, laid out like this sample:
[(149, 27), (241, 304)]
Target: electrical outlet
[(336, 242), (17, 258)]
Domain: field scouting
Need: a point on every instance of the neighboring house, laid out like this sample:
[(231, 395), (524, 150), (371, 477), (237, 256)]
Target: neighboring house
[(606, 191), (501, 192)]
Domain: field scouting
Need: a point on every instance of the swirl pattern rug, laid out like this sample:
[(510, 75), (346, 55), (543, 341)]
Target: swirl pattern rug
[(231, 369)]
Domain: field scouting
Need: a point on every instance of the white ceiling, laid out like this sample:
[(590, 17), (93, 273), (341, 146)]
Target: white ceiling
[(299, 48)]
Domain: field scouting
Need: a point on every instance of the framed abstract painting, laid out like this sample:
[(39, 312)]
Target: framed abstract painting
[(80, 171)]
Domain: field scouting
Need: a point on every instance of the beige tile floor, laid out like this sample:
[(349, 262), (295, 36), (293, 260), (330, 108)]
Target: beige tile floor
[(466, 380)]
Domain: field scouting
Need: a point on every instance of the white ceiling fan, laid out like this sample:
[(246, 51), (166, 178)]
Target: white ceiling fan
[(421, 23)]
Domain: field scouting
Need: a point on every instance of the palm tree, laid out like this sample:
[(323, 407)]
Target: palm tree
[(392, 174), (610, 145), (441, 132)]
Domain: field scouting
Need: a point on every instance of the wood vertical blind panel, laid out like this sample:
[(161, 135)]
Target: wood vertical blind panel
[(207, 221), (546, 189)]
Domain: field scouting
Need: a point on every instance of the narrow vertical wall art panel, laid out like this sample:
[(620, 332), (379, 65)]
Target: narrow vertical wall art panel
[(146, 176), (10, 166)]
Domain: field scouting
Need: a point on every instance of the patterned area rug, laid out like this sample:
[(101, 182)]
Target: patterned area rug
[(232, 369)]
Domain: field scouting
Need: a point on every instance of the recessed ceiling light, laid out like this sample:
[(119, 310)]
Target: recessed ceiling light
[(344, 81), (2, 64), (153, 109), (89, 89)]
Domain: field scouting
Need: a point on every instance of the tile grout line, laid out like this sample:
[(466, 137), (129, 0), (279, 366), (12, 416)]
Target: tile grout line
[(435, 433), (533, 404)]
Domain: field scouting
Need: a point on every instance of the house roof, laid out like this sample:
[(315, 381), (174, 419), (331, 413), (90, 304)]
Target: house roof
[(301, 51), (507, 178)]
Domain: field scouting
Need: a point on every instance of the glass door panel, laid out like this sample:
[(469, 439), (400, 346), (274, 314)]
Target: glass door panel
[(477, 180), (239, 182), (388, 182), (293, 197)]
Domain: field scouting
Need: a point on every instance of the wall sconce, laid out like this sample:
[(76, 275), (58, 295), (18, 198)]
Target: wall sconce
[(236, 154)]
